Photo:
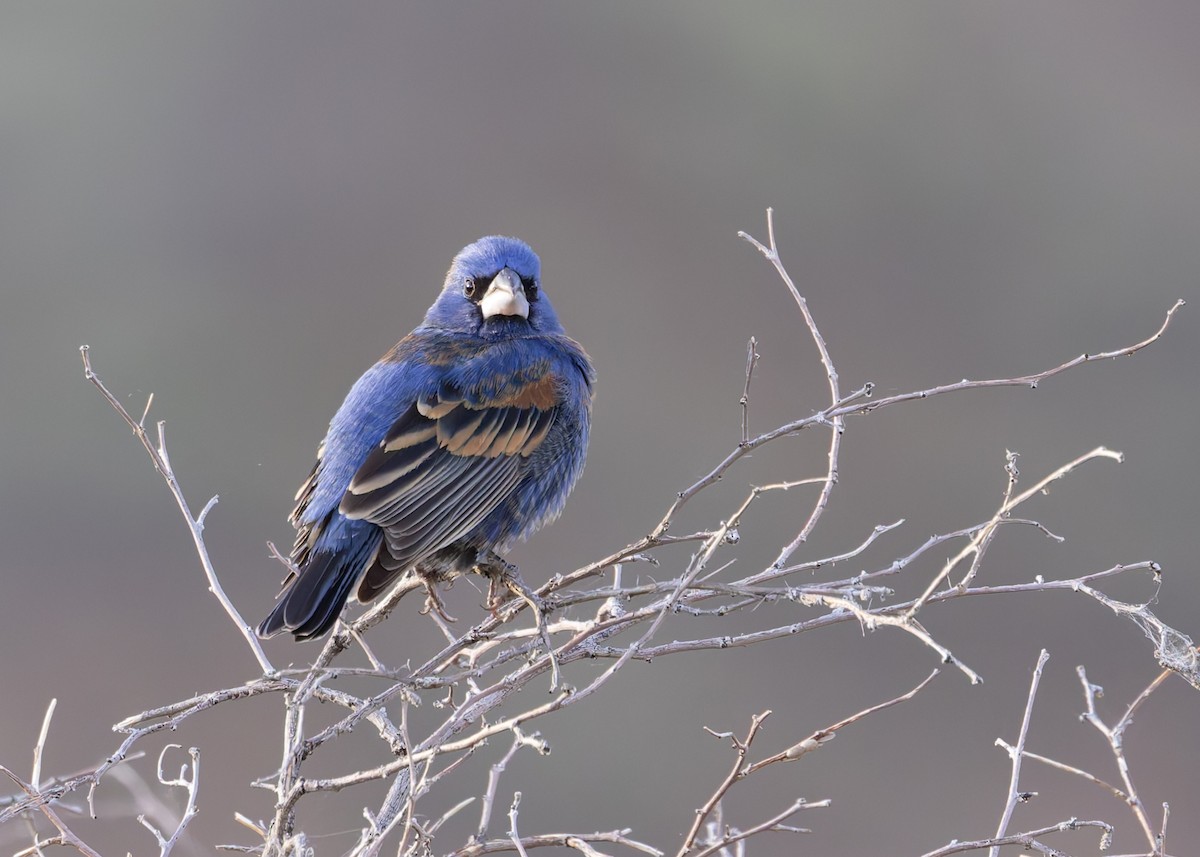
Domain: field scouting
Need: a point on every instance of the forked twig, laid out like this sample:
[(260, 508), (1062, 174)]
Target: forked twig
[(158, 454), (837, 424), (1016, 753)]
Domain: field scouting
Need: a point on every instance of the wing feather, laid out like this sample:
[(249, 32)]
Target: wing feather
[(447, 463), (459, 426)]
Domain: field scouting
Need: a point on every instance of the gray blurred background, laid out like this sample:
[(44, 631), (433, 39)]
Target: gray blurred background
[(241, 206)]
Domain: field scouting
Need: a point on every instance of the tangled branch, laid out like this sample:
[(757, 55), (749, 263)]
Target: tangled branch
[(483, 675)]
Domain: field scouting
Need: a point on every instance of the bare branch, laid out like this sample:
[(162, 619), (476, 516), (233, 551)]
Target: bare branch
[(557, 840), (824, 736), (837, 424), (751, 362), (1115, 744), (1016, 752), (978, 543), (1028, 839), (1032, 380), (479, 673), (735, 773), (158, 454), (190, 784), (773, 823), (512, 822), (489, 795), (66, 835), (35, 777)]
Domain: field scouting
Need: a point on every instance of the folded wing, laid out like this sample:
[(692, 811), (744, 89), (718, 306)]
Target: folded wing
[(443, 467)]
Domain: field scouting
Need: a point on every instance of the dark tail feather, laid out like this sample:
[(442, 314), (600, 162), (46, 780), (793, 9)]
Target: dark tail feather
[(311, 604)]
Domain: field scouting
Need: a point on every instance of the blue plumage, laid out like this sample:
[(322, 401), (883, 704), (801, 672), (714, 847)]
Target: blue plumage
[(467, 435)]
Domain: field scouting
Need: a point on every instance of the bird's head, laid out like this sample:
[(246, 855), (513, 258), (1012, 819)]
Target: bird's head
[(494, 289)]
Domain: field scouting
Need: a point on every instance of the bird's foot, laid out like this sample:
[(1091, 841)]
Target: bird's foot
[(433, 601), (501, 573)]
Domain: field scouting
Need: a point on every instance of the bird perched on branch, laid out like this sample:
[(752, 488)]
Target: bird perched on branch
[(467, 435)]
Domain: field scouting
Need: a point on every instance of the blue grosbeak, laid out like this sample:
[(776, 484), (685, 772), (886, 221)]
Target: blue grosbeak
[(467, 435)]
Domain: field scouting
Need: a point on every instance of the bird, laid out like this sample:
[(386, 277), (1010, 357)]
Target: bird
[(465, 437)]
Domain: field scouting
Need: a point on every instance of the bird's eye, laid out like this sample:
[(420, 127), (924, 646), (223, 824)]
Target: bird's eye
[(474, 288), (531, 288)]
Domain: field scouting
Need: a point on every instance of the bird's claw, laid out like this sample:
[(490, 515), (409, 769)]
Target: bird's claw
[(504, 574), (433, 602), (501, 575)]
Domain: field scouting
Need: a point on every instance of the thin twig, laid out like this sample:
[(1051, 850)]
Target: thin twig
[(189, 784), (823, 736), (512, 825), (771, 252), (751, 362), (158, 454), (773, 823), (978, 542), (1115, 743), (1027, 839), (556, 840), (736, 772), (493, 782), (35, 777), (1016, 753), (66, 835)]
